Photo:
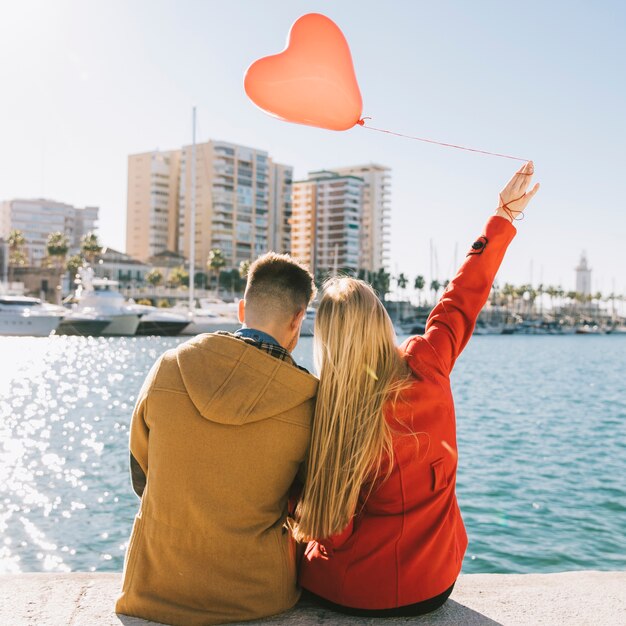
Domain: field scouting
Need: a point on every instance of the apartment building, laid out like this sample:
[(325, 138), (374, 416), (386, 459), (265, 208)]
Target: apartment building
[(375, 215), (350, 202), (40, 217), (303, 221), (281, 177), (326, 221), (242, 203), (151, 216)]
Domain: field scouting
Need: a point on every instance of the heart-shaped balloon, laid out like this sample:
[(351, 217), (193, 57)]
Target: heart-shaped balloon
[(312, 81)]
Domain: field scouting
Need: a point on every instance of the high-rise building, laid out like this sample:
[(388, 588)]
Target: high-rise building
[(151, 224), (303, 221), (36, 219), (242, 203), (326, 221), (583, 276), (375, 215), (280, 208)]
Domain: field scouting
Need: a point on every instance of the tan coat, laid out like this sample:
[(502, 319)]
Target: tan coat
[(220, 429)]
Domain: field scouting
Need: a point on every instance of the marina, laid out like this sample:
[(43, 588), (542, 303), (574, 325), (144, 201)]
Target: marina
[(66, 502)]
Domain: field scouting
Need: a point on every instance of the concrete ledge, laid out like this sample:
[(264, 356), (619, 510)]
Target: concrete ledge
[(570, 598)]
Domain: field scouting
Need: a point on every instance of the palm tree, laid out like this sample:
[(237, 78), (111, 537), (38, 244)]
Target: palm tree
[(560, 293), (435, 286), (17, 256), (233, 280), (179, 276), (381, 282), (154, 277), (90, 247), (244, 268), (16, 240), (419, 284), (57, 247), (73, 264), (402, 281), (552, 292), (215, 263)]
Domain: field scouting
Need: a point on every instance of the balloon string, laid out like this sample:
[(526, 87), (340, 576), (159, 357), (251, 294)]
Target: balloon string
[(361, 122)]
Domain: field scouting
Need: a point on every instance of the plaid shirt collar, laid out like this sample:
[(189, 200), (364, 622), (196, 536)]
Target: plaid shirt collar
[(271, 347)]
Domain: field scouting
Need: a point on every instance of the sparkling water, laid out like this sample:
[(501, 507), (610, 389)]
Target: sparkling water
[(542, 445)]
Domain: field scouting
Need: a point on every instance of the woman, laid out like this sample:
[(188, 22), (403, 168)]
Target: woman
[(379, 508)]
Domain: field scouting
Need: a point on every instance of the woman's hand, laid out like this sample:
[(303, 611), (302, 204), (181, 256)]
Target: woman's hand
[(514, 198)]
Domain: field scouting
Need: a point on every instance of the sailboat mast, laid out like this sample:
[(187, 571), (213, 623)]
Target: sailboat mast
[(192, 219)]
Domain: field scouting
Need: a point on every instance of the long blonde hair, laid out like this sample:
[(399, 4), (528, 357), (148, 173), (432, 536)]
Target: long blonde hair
[(359, 367)]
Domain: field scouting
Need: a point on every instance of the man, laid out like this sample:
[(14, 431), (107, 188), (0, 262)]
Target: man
[(220, 429)]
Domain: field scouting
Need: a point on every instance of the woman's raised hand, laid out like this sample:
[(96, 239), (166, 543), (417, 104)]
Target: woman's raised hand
[(514, 198)]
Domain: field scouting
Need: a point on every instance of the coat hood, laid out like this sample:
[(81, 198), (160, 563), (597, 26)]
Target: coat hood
[(232, 382)]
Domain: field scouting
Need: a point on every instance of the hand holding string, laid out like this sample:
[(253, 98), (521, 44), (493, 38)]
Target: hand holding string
[(514, 198)]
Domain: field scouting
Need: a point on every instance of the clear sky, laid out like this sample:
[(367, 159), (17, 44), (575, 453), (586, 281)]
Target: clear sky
[(83, 84)]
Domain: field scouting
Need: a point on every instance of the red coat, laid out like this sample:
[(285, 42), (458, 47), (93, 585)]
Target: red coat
[(407, 541)]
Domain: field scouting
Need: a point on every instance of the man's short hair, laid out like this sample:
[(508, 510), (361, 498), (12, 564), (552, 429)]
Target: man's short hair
[(279, 282)]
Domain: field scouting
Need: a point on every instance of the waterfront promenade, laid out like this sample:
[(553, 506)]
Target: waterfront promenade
[(574, 598)]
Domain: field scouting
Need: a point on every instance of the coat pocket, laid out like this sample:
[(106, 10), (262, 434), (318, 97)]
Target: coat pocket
[(439, 478)]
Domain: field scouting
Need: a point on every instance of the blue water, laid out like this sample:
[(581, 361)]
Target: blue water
[(542, 444)]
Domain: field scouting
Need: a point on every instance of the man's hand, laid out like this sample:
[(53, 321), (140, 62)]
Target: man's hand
[(514, 198)]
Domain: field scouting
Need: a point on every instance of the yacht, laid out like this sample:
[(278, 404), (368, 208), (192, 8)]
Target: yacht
[(156, 321), (24, 316), (589, 329), (100, 298), (210, 317), (617, 329), (412, 326), (83, 323), (488, 328)]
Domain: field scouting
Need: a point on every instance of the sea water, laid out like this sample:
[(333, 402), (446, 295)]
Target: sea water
[(542, 450)]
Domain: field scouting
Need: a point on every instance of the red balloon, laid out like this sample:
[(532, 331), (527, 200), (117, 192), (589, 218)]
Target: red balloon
[(312, 81)]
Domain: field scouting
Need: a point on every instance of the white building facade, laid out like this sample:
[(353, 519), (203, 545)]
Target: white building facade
[(36, 219), (119, 266)]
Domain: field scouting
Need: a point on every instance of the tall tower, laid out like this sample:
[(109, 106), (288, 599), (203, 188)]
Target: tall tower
[(375, 215), (151, 224), (279, 233), (583, 276), (243, 203), (233, 200), (326, 221)]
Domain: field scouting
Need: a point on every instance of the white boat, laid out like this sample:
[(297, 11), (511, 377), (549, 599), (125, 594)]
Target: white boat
[(488, 328), (24, 316), (226, 309), (210, 317), (83, 323), (156, 321), (101, 298), (589, 329), (206, 321), (543, 327), (415, 326), (617, 330)]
